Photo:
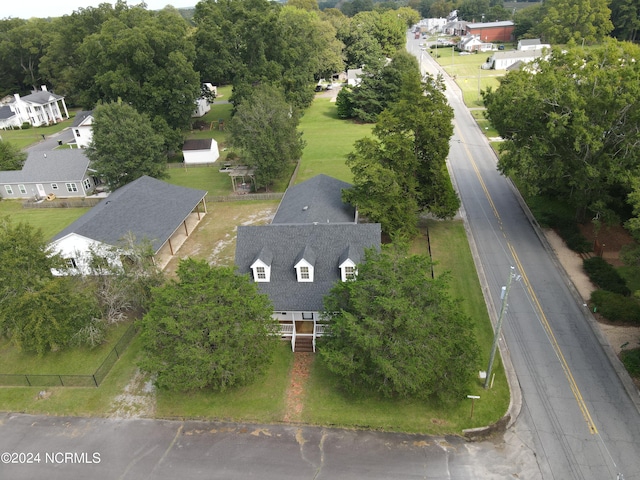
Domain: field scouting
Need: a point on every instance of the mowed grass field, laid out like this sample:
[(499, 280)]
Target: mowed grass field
[(329, 140)]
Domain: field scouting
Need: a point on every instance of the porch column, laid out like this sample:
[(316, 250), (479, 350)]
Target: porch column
[(184, 222), (64, 105), (170, 247)]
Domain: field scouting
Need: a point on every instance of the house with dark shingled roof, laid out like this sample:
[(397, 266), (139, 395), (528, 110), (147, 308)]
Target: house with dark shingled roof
[(313, 242), (146, 209)]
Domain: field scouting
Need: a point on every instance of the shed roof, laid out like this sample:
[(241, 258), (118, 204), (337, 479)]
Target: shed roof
[(198, 144)]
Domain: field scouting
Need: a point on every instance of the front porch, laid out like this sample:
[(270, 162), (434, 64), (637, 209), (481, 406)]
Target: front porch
[(302, 334)]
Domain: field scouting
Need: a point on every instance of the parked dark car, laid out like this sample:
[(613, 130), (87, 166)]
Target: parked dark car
[(500, 47)]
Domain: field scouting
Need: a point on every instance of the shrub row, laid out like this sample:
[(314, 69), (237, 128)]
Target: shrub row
[(605, 276), (616, 307), (631, 361)]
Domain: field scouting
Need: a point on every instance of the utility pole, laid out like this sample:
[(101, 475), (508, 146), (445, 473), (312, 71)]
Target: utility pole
[(503, 310)]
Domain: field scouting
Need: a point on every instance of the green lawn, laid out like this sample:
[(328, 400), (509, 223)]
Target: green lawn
[(207, 178), (329, 140), (50, 220), (262, 402), (29, 136), (78, 401), (72, 361), (326, 405)]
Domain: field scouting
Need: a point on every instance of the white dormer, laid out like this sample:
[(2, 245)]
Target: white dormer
[(261, 266), (347, 263), (348, 270), (304, 265)]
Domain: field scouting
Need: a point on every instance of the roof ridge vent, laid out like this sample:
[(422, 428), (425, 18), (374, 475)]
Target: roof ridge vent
[(305, 208)]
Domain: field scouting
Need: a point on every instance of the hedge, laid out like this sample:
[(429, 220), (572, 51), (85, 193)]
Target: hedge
[(631, 361), (605, 276), (615, 307)]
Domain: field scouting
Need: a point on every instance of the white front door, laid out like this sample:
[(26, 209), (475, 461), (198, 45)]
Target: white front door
[(40, 188)]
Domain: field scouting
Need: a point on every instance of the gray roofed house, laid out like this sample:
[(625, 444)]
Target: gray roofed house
[(313, 242), (62, 173), (319, 199), (147, 208), (324, 246)]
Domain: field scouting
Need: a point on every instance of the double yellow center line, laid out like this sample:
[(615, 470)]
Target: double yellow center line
[(541, 315)]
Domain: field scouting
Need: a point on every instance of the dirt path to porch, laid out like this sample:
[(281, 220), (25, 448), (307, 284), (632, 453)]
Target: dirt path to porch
[(297, 382)]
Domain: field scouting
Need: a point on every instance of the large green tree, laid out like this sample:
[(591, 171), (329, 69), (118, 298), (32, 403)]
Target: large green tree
[(265, 129), (562, 20), (125, 145), (570, 125), (38, 312), (22, 46), (625, 16), (146, 59), (395, 331), (11, 157), (403, 171), (211, 328)]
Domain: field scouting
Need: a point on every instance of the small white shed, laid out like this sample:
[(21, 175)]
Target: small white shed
[(200, 151)]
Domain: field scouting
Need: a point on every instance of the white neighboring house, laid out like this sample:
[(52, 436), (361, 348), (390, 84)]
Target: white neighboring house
[(146, 209), (39, 108), (202, 107), (59, 173), (200, 151), (503, 60), (82, 128), (532, 44), (472, 43)]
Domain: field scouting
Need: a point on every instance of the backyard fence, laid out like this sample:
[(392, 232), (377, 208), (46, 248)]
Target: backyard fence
[(90, 202), (53, 380)]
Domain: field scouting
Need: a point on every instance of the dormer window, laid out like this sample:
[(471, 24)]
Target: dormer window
[(347, 263), (304, 271), (261, 266), (304, 265)]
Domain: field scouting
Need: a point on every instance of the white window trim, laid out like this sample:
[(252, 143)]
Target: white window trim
[(8, 189), (343, 269), (54, 186), (267, 271), (71, 187), (22, 189), (298, 266), (86, 183)]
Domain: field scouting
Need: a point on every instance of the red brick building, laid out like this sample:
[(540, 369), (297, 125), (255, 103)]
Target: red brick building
[(492, 31)]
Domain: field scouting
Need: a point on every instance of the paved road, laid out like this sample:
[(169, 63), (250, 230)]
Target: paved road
[(101, 449), (584, 422), (50, 142)]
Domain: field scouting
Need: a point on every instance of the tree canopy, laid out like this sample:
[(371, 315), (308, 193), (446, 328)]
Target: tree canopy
[(211, 328), (125, 146), (562, 20), (265, 129), (570, 125), (403, 170), (11, 158), (395, 331), (38, 312)]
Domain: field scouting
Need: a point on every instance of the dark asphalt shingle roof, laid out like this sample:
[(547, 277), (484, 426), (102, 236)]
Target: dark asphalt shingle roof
[(50, 166), (318, 199), (285, 242), (148, 208), (197, 144)]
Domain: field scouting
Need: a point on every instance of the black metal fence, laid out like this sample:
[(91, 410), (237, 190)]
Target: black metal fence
[(53, 380)]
